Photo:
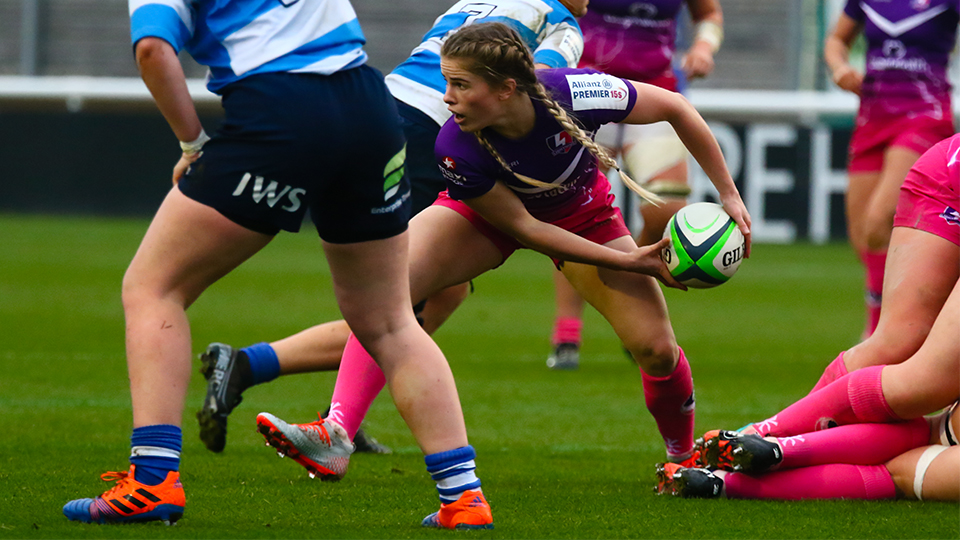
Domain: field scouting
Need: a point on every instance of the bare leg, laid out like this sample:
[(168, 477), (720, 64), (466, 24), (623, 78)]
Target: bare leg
[(921, 271), (935, 368), (371, 285), (315, 349), (441, 305), (445, 249), (941, 481), (634, 306), (882, 204), (860, 190), (568, 300), (188, 247)]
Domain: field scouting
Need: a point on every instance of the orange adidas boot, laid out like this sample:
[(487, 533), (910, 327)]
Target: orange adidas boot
[(130, 501), (471, 511)]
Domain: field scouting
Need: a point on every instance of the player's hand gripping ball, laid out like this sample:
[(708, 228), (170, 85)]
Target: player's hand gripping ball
[(706, 247)]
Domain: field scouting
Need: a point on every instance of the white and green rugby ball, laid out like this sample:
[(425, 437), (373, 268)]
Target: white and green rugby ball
[(706, 246)]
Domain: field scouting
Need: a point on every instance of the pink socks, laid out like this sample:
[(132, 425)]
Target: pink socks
[(834, 371), (670, 400), (359, 381), (874, 262), (855, 444), (566, 330), (852, 399), (818, 482)]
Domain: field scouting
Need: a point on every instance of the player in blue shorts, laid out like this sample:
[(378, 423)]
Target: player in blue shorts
[(307, 126), (522, 170), (549, 28)]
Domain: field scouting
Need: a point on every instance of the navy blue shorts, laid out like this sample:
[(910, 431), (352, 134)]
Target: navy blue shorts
[(425, 178), (292, 141)]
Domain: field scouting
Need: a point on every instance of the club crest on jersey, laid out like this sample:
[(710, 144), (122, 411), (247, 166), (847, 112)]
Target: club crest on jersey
[(448, 169), (894, 48), (560, 143), (951, 216), (920, 4), (597, 91)]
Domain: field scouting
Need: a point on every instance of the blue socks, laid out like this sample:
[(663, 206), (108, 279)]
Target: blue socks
[(264, 365), (453, 471), (155, 450)]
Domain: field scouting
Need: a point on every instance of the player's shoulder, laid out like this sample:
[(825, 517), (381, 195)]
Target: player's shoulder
[(584, 88)]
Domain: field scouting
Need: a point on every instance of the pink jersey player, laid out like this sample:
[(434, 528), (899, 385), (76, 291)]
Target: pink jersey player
[(904, 110)]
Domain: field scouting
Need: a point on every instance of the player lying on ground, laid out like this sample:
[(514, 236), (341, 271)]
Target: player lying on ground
[(917, 459)]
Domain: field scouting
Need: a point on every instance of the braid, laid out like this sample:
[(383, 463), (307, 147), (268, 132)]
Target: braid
[(497, 53), (503, 163)]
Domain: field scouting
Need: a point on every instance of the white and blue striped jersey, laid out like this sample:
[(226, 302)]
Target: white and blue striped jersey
[(547, 27), (238, 38)]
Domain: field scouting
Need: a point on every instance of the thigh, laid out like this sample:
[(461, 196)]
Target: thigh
[(445, 250), (920, 273), (188, 247), (942, 478), (883, 200), (860, 189), (632, 303), (371, 283), (930, 379)]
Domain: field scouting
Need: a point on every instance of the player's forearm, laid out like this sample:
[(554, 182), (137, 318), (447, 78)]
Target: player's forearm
[(699, 140), (564, 245), (162, 73), (836, 54)]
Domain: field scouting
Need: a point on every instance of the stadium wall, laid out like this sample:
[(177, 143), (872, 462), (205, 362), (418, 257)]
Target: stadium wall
[(83, 145)]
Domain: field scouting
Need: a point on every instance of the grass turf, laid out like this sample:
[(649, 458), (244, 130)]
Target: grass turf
[(561, 454)]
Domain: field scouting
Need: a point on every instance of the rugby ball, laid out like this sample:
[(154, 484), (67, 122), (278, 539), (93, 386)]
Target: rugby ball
[(706, 246)]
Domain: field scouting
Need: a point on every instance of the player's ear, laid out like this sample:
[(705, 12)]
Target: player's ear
[(507, 89)]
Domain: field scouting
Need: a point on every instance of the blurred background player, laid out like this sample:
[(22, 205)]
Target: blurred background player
[(508, 190), (905, 109), (307, 125), (550, 29), (638, 41)]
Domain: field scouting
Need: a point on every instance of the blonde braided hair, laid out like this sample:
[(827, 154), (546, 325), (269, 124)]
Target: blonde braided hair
[(496, 53)]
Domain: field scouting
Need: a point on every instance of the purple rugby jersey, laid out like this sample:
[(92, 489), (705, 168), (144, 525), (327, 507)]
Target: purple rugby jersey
[(631, 39), (908, 49), (547, 153)]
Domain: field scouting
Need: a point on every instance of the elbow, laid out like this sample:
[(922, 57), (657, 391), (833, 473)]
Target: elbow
[(151, 50)]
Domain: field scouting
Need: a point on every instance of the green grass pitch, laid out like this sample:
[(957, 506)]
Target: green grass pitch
[(561, 454)]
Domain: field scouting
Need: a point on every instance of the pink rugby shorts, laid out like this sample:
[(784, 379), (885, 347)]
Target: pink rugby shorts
[(873, 136), (929, 199), (598, 220)]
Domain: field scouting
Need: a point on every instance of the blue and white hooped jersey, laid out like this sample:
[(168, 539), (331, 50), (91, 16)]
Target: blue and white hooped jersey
[(547, 27), (237, 38)]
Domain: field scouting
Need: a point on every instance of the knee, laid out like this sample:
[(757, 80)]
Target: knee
[(135, 292), (450, 298), (657, 359), (885, 347), (877, 229)]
